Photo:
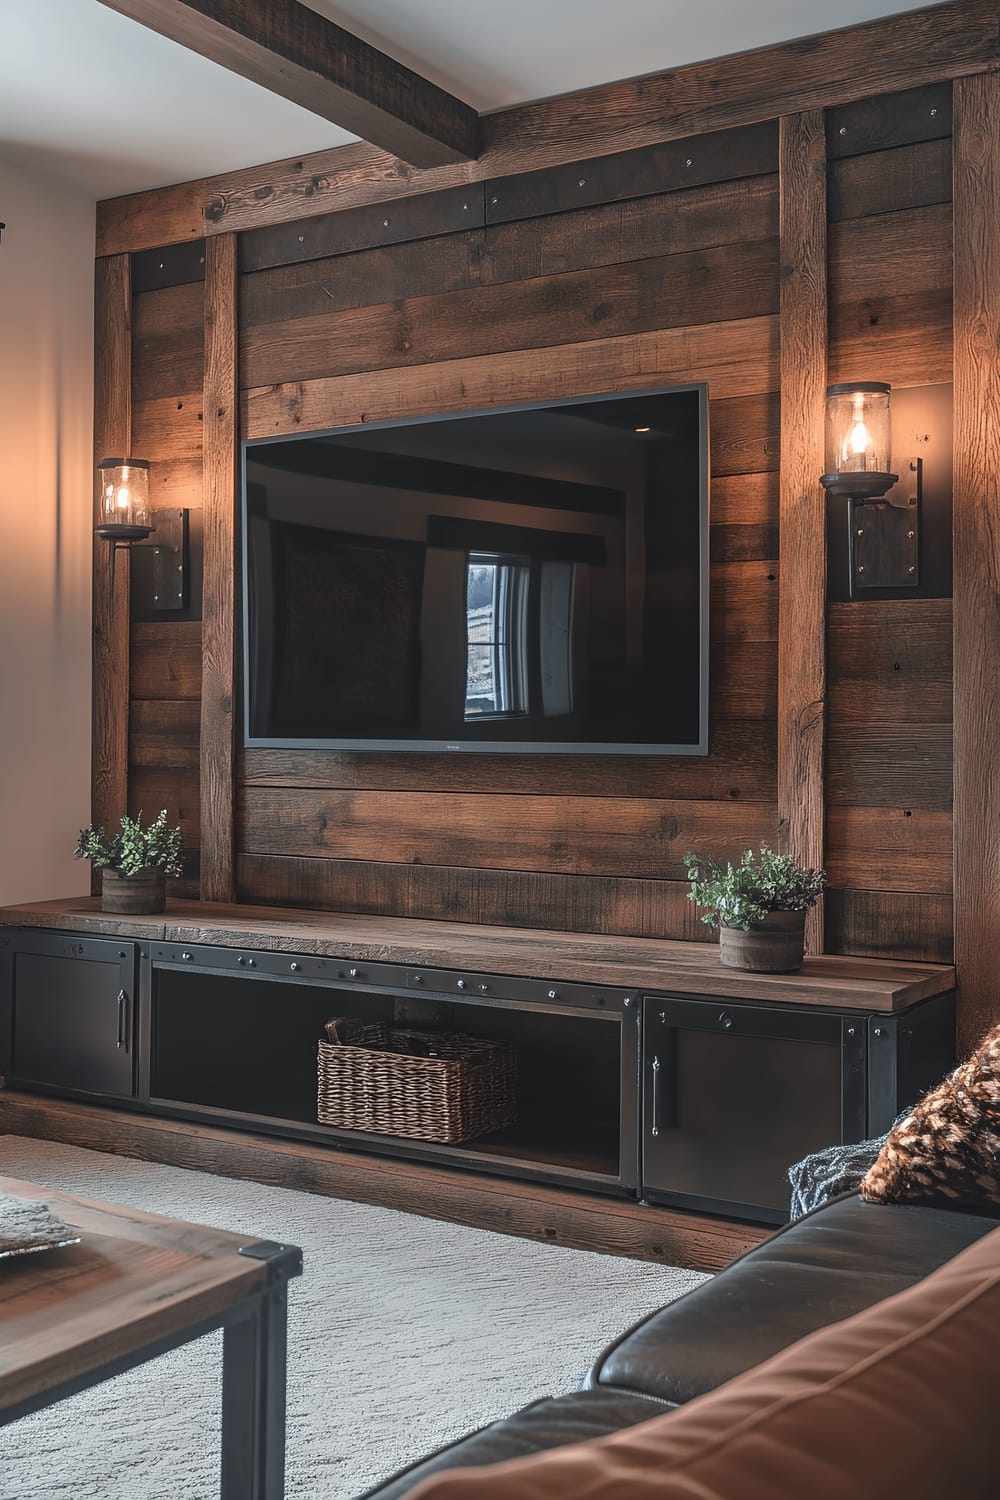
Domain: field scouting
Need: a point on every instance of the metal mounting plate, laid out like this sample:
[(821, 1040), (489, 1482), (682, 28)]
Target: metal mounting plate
[(168, 548), (884, 536)]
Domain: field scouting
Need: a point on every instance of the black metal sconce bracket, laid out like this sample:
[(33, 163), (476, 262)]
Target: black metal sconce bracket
[(168, 547), (884, 535)]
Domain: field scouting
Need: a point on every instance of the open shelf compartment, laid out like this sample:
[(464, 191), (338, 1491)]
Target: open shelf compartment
[(245, 1049)]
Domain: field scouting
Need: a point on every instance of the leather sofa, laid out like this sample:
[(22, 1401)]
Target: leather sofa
[(834, 1262)]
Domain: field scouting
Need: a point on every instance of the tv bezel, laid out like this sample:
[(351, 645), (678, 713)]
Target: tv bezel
[(493, 747)]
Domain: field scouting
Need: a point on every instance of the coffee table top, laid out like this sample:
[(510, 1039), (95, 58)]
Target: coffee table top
[(135, 1280)]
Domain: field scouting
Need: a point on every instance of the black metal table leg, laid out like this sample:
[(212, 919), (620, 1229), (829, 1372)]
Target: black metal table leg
[(253, 1389)]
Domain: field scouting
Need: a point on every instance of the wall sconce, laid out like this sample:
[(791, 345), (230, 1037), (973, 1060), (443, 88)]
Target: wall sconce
[(858, 440), (124, 515), (883, 529)]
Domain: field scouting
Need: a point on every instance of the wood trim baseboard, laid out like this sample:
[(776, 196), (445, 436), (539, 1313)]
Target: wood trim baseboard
[(553, 1216)]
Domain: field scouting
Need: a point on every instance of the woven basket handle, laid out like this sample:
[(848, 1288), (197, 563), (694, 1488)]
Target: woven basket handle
[(346, 1031)]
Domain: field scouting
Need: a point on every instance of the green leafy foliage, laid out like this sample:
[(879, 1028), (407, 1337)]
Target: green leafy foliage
[(742, 895), (133, 848)]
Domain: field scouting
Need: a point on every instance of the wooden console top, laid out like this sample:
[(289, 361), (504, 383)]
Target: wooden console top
[(866, 984)]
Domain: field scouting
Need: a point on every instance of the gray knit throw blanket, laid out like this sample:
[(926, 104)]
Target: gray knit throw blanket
[(826, 1174)]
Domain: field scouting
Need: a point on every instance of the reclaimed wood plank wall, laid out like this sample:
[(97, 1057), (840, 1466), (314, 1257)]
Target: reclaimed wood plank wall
[(626, 259)]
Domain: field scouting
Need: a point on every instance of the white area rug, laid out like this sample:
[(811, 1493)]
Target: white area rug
[(404, 1333)]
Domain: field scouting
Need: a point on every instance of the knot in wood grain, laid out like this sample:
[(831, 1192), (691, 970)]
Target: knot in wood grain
[(810, 717)]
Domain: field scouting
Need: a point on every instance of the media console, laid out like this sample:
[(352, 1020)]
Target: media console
[(644, 1069)]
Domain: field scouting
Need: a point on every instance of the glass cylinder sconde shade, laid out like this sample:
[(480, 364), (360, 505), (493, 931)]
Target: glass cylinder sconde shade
[(124, 504), (858, 440)]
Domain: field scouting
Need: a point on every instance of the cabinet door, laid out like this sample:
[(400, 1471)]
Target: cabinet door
[(68, 1014), (732, 1096)]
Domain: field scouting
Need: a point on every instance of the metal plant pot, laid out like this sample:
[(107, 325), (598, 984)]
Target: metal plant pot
[(775, 946), (133, 895)]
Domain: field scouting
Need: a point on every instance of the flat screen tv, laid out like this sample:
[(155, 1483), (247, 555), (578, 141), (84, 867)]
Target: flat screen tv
[(528, 579)]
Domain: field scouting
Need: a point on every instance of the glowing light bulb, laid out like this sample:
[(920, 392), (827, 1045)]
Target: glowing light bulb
[(123, 497), (860, 444)]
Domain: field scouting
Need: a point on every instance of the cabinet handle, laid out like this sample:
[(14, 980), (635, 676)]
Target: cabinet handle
[(123, 1020), (655, 1108)]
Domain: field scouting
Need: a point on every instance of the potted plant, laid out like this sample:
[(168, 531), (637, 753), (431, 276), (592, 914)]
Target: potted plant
[(759, 907), (134, 863)]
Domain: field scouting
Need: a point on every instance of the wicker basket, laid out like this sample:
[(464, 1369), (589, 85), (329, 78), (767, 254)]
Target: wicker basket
[(428, 1085)]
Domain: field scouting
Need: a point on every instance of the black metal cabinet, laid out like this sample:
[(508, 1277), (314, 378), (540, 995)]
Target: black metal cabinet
[(733, 1093), (67, 1013)]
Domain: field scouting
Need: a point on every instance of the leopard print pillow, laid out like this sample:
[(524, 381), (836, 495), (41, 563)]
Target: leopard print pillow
[(947, 1152)]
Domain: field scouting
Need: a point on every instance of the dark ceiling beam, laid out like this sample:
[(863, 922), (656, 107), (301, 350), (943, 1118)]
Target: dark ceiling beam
[(290, 50)]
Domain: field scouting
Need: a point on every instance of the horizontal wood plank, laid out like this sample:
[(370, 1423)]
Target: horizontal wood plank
[(425, 216), (884, 254), (719, 156), (502, 898), (745, 601), (571, 835), (176, 482), (890, 292), (744, 433), (890, 924), (169, 427), (743, 679), (698, 219), (744, 499), (909, 335), (736, 359), (890, 765), (727, 284), (166, 659), (175, 788), (920, 114), (888, 181), (168, 341), (168, 265), (740, 767), (750, 542), (889, 660), (164, 732), (876, 848)]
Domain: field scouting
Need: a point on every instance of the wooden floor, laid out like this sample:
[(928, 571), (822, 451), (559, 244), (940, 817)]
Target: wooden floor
[(552, 1215)]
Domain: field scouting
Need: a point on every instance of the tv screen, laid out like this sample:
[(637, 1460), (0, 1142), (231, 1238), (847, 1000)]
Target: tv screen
[(526, 579)]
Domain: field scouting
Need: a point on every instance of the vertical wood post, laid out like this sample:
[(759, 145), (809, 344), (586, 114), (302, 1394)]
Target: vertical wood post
[(976, 531), (112, 438), (802, 605), (218, 616)]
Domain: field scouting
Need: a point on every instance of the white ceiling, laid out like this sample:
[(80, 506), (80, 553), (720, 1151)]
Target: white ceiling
[(98, 101)]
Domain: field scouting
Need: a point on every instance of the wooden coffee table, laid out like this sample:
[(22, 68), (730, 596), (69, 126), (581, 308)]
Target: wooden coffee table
[(135, 1287)]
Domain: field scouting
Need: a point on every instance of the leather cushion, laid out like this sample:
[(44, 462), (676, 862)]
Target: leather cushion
[(575, 1418), (899, 1400), (834, 1262)]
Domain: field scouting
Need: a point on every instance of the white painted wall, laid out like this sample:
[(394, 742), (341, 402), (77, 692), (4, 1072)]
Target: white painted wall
[(46, 487)]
